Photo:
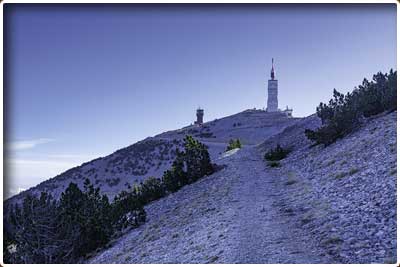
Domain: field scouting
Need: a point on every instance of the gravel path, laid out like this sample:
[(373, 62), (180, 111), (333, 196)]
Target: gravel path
[(264, 234), (232, 216)]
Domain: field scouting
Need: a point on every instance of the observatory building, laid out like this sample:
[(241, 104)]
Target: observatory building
[(199, 114), (272, 99)]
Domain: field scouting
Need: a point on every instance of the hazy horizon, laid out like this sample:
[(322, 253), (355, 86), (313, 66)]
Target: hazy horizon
[(85, 80)]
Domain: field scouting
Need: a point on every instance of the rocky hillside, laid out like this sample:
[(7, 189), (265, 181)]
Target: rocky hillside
[(322, 205), (154, 155), (112, 173), (344, 194)]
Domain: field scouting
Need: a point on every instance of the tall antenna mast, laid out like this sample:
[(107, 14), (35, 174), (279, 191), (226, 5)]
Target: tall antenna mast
[(272, 70)]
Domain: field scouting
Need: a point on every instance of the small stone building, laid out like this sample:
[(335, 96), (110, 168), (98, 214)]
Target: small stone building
[(199, 115)]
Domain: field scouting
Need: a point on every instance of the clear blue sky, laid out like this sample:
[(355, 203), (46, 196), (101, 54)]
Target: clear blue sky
[(83, 81)]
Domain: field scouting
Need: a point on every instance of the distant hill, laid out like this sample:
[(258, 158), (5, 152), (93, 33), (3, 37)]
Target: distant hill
[(153, 155)]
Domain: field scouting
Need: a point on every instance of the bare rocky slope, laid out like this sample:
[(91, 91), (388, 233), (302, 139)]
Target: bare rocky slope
[(345, 194), (334, 204)]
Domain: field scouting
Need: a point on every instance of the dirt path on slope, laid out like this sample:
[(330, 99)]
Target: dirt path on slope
[(262, 233), (232, 216)]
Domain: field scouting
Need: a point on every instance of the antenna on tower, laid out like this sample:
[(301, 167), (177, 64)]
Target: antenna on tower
[(272, 70)]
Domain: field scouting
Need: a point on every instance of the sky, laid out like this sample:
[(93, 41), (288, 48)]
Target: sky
[(82, 81)]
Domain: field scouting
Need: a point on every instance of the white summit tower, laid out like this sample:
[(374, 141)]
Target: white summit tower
[(272, 102)]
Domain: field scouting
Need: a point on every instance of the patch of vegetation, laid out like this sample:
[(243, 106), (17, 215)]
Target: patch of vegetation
[(373, 130), (213, 259), (340, 175), (332, 240), (189, 166), (150, 189), (44, 230), (344, 174), (128, 258), (276, 154), (329, 163), (306, 219), (233, 143), (289, 211), (274, 164), (353, 171), (290, 182), (175, 235), (344, 113)]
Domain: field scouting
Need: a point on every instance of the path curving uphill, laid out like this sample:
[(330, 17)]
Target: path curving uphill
[(231, 216)]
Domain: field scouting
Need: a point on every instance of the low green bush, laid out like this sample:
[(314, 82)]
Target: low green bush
[(233, 143), (276, 154)]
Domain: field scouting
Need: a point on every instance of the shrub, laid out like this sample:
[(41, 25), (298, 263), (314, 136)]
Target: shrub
[(276, 154), (85, 220), (50, 231), (35, 230), (128, 210), (151, 189), (233, 144), (190, 165), (274, 164), (290, 182), (344, 113), (8, 245), (175, 178), (353, 171), (340, 175), (196, 159)]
